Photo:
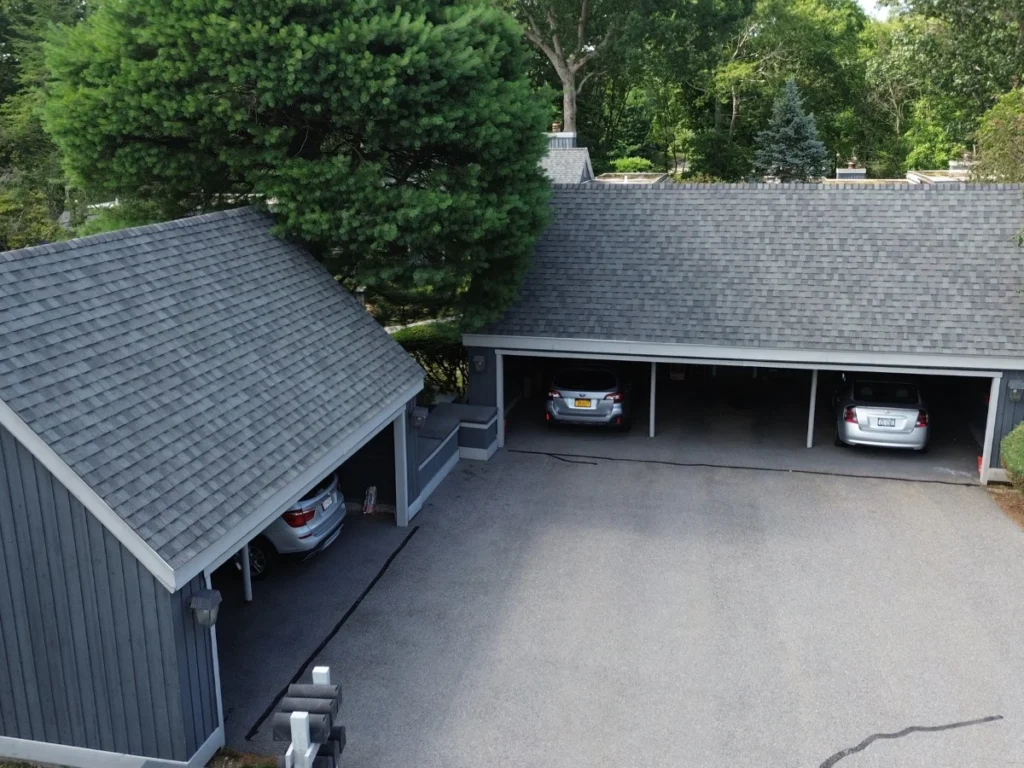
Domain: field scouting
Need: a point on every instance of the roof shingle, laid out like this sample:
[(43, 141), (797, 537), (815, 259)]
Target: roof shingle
[(188, 371), (871, 269)]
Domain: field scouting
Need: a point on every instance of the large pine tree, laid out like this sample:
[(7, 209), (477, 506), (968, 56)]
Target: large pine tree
[(789, 148), (400, 142)]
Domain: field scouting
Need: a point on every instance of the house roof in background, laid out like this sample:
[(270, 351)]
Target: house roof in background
[(880, 269), (187, 372), (568, 166)]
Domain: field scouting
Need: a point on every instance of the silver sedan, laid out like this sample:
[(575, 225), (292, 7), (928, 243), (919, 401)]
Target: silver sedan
[(881, 413)]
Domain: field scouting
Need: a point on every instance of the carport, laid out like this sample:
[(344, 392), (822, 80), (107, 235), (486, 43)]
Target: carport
[(670, 400), (815, 281)]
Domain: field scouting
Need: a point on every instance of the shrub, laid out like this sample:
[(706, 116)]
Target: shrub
[(437, 346), (1012, 456), (632, 165)]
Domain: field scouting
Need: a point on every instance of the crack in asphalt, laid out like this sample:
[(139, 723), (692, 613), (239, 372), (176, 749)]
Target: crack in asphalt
[(900, 734), (708, 465)]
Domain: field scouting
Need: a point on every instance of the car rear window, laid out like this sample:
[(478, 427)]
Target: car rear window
[(583, 380), (890, 392)]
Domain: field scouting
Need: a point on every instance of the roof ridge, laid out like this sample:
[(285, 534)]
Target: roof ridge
[(124, 234)]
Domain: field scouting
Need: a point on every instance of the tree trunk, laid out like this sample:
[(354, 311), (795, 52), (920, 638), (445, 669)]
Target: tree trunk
[(735, 113), (568, 103)]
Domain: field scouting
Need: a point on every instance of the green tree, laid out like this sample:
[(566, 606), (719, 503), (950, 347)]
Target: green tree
[(1001, 140), (572, 34), (400, 144), (789, 148), (34, 189)]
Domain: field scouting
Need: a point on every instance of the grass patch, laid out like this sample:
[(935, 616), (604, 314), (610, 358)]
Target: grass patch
[(229, 758), (1011, 501)]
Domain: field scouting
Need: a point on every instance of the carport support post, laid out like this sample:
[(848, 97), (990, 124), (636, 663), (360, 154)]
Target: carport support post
[(499, 395), (246, 574), (810, 413), (994, 393), (654, 387), (401, 473)]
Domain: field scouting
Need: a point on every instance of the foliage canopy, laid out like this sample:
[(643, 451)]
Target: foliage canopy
[(400, 143)]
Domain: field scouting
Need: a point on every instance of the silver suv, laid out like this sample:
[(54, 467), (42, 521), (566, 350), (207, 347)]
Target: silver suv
[(594, 396), (308, 527)]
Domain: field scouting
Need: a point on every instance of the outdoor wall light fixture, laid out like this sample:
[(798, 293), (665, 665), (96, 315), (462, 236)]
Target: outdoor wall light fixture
[(205, 604), (1016, 390), (479, 363)]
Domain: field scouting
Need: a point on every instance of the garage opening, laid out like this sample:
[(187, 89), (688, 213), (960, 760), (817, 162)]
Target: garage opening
[(262, 643), (744, 416)]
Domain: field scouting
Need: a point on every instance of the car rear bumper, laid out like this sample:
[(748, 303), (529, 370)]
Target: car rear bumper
[(562, 414), (303, 541), (852, 434)]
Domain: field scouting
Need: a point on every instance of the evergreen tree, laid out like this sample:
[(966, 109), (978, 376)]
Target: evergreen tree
[(400, 143), (789, 149)]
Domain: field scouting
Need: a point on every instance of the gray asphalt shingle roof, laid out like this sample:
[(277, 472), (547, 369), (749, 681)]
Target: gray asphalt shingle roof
[(567, 166), (188, 371), (882, 269)]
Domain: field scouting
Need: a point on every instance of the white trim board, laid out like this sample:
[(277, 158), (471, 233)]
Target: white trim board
[(475, 425), (973, 365), (453, 433), (80, 757), (88, 497), (478, 454), (219, 553), (442, 473)]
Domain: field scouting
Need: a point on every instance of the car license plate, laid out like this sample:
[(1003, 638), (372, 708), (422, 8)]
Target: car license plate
[(327, 502), (887, 422), (582, 403)]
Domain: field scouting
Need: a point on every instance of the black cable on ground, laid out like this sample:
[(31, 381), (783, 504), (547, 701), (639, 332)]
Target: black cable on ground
[(330, 636), (707, 465)]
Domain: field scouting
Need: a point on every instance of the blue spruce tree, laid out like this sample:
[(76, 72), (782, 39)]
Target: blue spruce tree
[(789, 148)]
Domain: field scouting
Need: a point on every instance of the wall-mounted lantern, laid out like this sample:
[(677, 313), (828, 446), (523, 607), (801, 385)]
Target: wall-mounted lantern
[(205, 605), (479, 363), (1016, 390), (419, 417)]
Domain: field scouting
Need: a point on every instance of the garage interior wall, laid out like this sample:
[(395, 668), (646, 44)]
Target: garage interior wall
[(93, 646)]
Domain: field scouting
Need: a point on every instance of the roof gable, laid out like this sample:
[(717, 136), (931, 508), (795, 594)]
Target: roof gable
[(568, 166), (187, 372)]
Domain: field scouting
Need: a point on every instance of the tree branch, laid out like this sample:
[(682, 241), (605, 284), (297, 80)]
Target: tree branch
[(590, 74), (576, 66), (581, 28), (553, 23)]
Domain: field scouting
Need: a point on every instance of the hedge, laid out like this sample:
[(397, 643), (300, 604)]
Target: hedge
[(438, 348), (1012, 456), (632, 165)]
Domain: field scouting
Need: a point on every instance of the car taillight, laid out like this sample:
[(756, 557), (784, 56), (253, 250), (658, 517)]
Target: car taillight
[(922, 418), (615, 398), (850, 414), (297, 518), (552, 393)]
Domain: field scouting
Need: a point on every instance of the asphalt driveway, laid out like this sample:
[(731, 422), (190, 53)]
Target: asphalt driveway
[(557, 611)]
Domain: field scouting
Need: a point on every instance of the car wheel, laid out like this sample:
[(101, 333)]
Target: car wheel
[(261, 557), (839, 441)]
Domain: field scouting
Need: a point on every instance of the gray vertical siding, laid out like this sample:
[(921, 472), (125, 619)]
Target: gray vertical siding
[(1008, 414), (195, 670), (91, 644), (482, 388)]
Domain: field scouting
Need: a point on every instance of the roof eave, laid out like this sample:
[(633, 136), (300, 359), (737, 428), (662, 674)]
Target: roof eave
[(981, 363)]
